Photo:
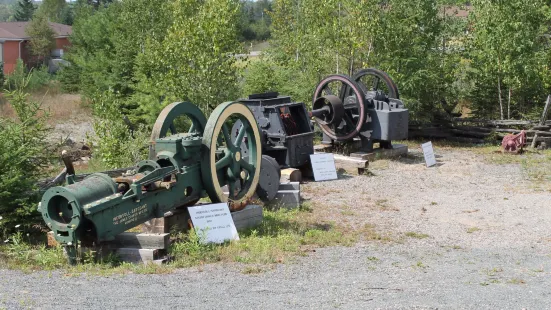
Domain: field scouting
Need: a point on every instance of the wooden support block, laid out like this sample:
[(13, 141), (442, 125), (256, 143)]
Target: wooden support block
[(397, 150), (51, 239), (291, 175), (177, 220), (154, 226), (142, 241), (137, 255), (354, 165)]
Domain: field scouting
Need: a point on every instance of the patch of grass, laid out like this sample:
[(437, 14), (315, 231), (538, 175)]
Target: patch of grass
[(253, 270), (371, 234), (473, 229), (433, 203), (384, 205), (492, 272), (420, 265), (516, 281), (281, 236), (416, 235), (373, 259), (348, 213)]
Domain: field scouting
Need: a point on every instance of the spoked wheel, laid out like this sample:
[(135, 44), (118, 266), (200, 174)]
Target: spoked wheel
[(165, 122), (373, 81), (353, 116), (224, 163)]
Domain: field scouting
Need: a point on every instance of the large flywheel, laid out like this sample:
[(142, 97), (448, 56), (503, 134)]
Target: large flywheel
[(224, 163), (166, 122), (339, 107), (374, 81)]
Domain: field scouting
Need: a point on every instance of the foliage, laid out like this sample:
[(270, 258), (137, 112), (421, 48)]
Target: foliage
[(436, 58), (265, 75), (19, 249), (42, 37), (105, 45), (507, 50), (254, 20), (53, 10), (115, 144), (31, 80), (22, 157), (25, 10), (201, 68)]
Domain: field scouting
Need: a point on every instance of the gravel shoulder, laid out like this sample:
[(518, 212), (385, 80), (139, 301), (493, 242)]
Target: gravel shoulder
[(465, 234)]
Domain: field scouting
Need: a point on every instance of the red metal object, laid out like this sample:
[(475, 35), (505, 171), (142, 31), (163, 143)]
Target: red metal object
[(514, 143)]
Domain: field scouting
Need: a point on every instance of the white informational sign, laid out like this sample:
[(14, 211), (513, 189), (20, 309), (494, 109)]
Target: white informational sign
[(214, 221), (430, 160), (323, 166)]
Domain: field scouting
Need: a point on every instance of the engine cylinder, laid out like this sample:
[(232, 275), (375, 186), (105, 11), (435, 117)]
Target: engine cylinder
[(62, 207)]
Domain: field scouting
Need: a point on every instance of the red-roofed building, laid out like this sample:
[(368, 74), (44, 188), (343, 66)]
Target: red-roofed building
[(14, 43)]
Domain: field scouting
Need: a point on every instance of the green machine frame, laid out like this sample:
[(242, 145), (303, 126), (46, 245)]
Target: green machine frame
[(181, 169)]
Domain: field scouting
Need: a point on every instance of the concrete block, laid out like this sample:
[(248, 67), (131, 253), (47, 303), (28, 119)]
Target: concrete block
[(289, 186), (289, 199), (249, 217), (142, 241)]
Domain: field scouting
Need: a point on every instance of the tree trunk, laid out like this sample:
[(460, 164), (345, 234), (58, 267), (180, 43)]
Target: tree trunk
[(351, 63), (509, 105), (499, 94), (499, 87)]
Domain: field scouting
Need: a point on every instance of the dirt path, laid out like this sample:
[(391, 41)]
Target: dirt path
[(466, 234)]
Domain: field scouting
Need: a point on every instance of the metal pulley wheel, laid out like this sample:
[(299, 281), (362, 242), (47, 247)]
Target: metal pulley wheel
[(165, 122), (354, 114), (268, 183), (224, 163), (275, 164), (374, 81), (328, 110)]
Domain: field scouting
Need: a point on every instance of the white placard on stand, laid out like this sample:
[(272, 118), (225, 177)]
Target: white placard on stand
[(428, 151), (215, 221), (323, 166)]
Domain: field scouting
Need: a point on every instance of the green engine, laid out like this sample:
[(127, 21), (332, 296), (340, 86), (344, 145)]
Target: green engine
[(181, 169)]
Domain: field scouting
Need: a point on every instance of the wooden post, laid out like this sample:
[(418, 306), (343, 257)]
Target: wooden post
[(542, 120)]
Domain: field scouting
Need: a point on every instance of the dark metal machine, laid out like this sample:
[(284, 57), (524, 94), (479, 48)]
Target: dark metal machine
[(285, 128), (183, 167), (365, 107)]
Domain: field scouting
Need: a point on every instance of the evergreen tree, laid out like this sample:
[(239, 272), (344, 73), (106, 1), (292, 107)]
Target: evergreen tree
[(25, 10), (53, 10), (42, 37)]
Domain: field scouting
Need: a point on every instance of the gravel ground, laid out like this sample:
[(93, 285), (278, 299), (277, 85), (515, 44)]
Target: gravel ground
[(483, 236)]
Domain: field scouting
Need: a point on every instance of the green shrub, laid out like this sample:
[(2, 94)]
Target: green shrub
[(32, 80), (22, 158), (265, 75), (115, 144)]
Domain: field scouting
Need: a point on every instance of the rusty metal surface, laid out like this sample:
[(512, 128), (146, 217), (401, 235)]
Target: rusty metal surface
[(514, 143)]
